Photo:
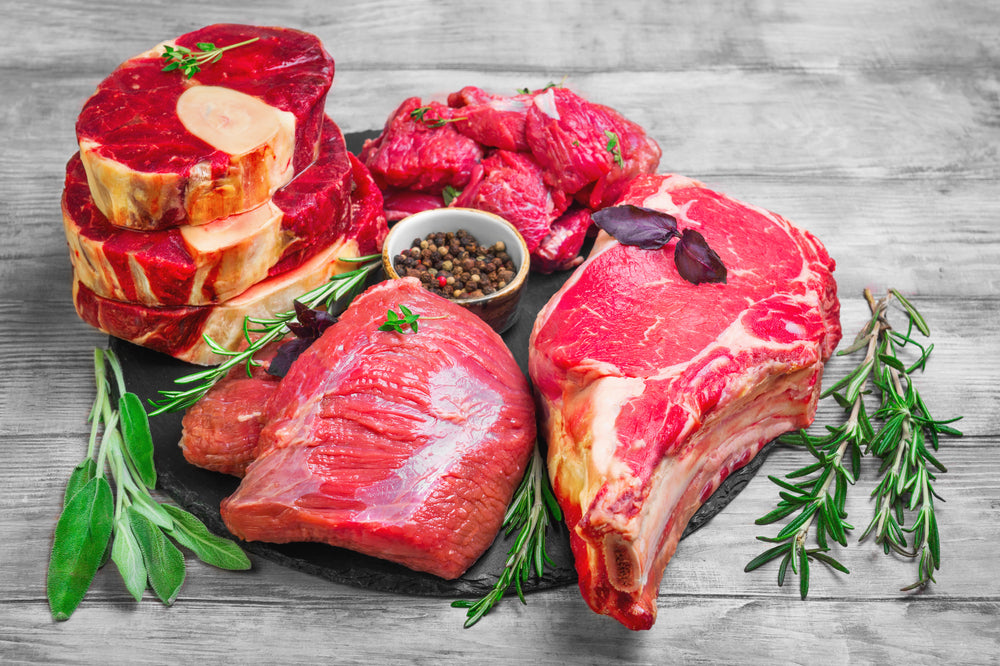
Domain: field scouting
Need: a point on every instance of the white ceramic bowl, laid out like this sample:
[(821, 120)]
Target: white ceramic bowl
[(498, 309)]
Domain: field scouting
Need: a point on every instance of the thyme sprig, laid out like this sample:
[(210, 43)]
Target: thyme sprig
[(401, 321), (258, 332), (125, 523), (420, 115), (530, 512), (190, 62), (900, 442)]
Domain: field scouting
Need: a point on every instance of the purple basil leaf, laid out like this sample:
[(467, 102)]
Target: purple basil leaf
[(696, 261), (310, 323), (287, 353), (645, 228), (307, 326)]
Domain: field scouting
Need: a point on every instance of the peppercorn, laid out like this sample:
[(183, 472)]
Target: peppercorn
[(455, 265)]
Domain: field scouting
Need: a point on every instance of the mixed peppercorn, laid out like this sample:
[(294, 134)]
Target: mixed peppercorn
[(455, 265)]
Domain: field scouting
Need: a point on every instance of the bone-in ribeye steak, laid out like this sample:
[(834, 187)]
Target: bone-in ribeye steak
[(654, 389), (161, 149), (208, 263), (404, 446)]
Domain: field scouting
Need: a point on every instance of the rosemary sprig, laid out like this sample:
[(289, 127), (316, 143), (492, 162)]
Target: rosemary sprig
[(258, 332), (531, 510), (899, 442), (906, 469), (190, 62), (138, 530)]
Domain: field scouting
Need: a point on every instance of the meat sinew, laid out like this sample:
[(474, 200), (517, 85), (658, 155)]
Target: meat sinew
[(654, 389), (404, 446), (161, 149), (208, 263)]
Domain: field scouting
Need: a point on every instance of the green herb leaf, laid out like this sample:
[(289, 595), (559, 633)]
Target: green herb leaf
[(614, 148), (191, 533), (81, 540), (78, 478), (138, 439), (189, 62), (164, 563), (127, 556), (406, 319)]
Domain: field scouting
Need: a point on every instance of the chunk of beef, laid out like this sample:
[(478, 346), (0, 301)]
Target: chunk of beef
[(403, 446), (654, 389)]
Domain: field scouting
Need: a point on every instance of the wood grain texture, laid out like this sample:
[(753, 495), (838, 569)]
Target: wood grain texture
[(874, 125)]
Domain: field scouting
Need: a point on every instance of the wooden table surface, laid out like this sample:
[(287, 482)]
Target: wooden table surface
[(874, 125)]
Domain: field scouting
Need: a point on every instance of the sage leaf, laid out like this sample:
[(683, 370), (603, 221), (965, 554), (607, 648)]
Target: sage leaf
[(78, 478), (81, 539), (145, 505), (138, 439), (191, 533), (164, 562), (127, 556)]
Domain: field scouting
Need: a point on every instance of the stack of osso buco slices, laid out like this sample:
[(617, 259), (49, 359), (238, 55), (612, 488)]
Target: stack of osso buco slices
[(198, 200)]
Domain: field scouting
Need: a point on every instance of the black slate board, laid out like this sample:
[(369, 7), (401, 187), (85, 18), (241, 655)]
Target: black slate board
[(200, 491)]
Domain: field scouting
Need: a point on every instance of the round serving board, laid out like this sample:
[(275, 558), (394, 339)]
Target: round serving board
[(200, 491)]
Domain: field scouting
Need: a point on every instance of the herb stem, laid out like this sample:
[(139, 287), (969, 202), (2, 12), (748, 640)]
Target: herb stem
[(266, 330)]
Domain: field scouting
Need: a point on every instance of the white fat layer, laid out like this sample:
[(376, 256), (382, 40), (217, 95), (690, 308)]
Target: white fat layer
[(546, 103), (608, 396)]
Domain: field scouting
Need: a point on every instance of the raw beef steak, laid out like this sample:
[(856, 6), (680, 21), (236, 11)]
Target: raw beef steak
[(403, 446), (178, 330), (654, 389), (208, 263), (161, 149)]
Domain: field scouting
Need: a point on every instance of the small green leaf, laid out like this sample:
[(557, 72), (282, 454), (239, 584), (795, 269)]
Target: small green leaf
[(127, 556), (138, 439), (164, 562), (765, 557), (803, 573), (211, 549), (81, 539), (78, 478), (205, 46), (915, 316)]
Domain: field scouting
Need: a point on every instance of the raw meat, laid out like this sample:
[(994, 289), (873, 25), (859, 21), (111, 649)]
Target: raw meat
[(496, 121), (403, 203), (404, 446), (199, 265), (559, 250), (178, 330), (525, 157), (220, 431), (579, 144), (654, 389), (510, 185), (161, 149), (415, 154)]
